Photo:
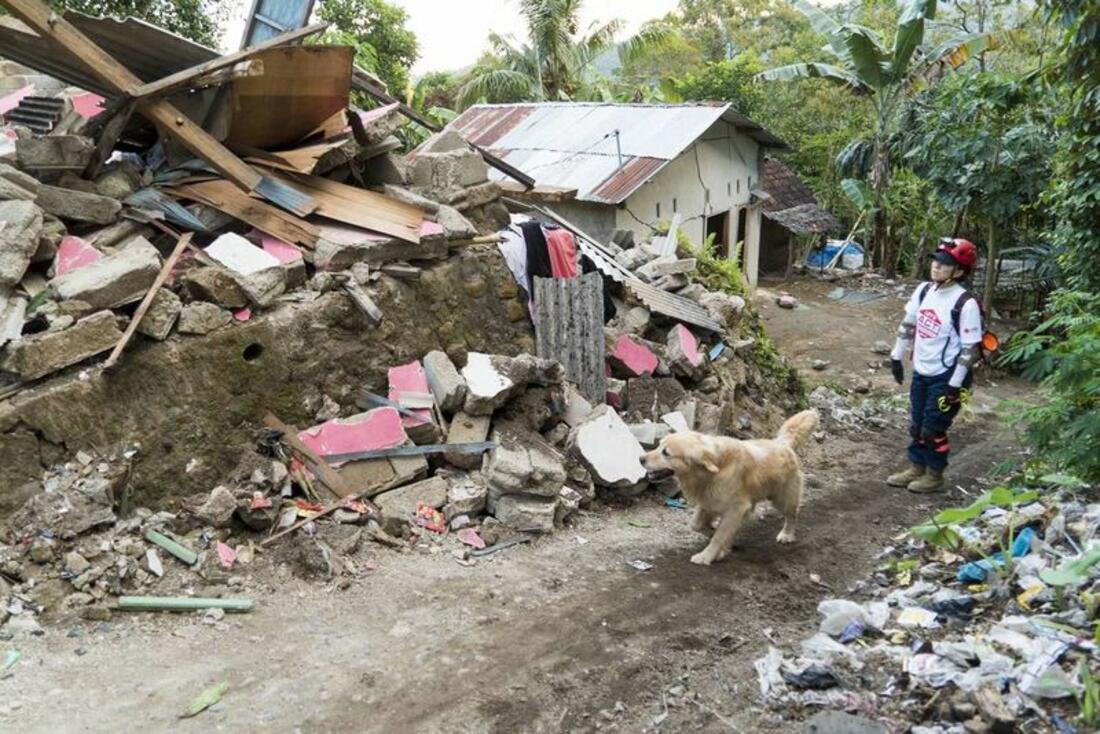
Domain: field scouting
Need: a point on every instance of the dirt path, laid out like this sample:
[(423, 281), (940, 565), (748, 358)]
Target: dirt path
[(561, 635)]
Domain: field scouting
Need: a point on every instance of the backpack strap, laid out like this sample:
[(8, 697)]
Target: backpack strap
[(956, 311), (923, 292)]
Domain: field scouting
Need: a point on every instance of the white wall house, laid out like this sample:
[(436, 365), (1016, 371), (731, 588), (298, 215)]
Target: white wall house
[(631, 166)]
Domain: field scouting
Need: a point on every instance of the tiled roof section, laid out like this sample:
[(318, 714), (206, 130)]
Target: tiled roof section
[(791, 202)]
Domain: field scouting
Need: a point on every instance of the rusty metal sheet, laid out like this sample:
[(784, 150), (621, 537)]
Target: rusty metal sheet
[(569, 330), (627, 179)]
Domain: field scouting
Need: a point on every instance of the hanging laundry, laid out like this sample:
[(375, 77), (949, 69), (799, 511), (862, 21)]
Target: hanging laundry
[(563, 251), (538, 254), (514, 249)]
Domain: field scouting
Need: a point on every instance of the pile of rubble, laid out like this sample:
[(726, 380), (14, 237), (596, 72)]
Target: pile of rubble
[(983, 621), (92, 228)]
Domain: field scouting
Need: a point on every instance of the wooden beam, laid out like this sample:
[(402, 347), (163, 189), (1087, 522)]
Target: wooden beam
[(146, 302), (108, 137), (186, 76)]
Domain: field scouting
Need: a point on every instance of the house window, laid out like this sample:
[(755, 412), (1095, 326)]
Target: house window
[(673, 204), (729, 188), (658, 210), (739, 186)]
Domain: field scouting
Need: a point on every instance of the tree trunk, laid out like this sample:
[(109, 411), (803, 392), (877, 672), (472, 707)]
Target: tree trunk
[(881, 181), (990, 268)]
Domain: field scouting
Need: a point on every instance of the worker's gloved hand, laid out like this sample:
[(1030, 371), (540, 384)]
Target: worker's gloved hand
[(952, 395), (897, 370)]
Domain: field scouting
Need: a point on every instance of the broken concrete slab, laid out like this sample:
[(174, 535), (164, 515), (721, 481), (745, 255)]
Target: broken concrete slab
[(19, 232), (119, 183), (372, 430), (636, 320), (289, 256), (263, 287), (455, 226), (42, 354), (522, 512), (13, 311), (73, 253), (445, 382), (114, 280), (635, 258), (341, 247), (201, 318), (401, 502), (685, 358), (14, 184), (523, 463), (649, 434), (218, 508), (161, 316), (492, 379), (577, 408), (240, 255), (124, 230), (49, 239), (606, 447), (676, 422), (723, 307), (649, 397), (630, 357), (673, 282), (410, 379), (655, 269), (54, 152), (467, 428), (400, 193), (213, 284), (78, 206)]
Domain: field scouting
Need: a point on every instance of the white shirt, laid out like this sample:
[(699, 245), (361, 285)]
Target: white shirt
[(936, 345), (514, 250)]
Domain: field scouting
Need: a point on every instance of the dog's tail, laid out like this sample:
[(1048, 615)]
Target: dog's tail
[(797, 429)]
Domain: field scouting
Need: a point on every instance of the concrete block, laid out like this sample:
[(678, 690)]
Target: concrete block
[(202, 318), (634, 258), (521, 512), (78, 206), (605, 446), (42, 354), (161, 316), (466, 496), (340, 247), (215, 285), (443, 142), (632, 357), (649, 397), (523, 463), (117, 279), (684, 356), (492, 379), (54, 153), (49, 239), (662, 266), (467, 429), (14, 184), (455, 226), (119, 183), (445, 382), (22, 226), (430, 206), (401, 502)]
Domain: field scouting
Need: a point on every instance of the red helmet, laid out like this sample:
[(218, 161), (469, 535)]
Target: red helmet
[(957, 251)]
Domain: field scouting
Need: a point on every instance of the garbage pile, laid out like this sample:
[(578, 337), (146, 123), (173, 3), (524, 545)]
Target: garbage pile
[(115, 225), (984, 620)]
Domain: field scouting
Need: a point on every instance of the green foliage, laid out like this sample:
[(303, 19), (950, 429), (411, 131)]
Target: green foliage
[(940, 530), (1088, 700), (381, 27), (198, 20), (1063, 353), (729, 80), (712, 269)]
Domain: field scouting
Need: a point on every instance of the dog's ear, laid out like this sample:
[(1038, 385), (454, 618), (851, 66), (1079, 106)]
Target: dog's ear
[(708, 457)]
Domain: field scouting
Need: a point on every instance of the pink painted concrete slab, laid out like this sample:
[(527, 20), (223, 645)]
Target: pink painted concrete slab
[(689, 345), (428, 229), (636, 357), (409, 378), (87, 105), (284, 252), (10, 101), (242, 314), (376, 429), (74, 253)]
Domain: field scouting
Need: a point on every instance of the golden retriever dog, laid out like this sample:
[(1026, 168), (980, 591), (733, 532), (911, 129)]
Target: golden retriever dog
[(724, 478)]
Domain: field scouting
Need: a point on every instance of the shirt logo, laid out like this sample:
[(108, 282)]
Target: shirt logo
[(928, 324)]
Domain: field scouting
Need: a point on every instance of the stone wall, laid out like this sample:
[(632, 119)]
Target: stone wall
[(194, 403)]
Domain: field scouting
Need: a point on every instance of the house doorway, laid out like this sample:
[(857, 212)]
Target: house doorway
[(719, 226)]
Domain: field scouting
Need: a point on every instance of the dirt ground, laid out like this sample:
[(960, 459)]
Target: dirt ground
[(558, 635)]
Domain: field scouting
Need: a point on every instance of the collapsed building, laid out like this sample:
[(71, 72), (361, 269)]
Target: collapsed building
[(247, 247)]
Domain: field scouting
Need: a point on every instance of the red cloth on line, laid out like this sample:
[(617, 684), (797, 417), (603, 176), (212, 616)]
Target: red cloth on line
[(563, 252)]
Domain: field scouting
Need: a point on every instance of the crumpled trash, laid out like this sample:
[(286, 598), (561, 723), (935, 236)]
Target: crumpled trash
[(768, 672), (813, 677), (853, 631), (960, 607), (931, 669), (839, 614), (975, 571), (822, 647)]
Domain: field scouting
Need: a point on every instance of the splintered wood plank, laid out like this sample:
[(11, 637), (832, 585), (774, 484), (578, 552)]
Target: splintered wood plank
[(225, 197), (359, 207), (569, 329)]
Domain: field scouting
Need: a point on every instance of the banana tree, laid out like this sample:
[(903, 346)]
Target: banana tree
[(887, 77)]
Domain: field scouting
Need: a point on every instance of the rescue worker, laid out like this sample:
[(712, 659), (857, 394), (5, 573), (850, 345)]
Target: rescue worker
[(943, 326)]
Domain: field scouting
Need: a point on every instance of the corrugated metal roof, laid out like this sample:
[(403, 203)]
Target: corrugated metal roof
[(148, 51), (604, 151)]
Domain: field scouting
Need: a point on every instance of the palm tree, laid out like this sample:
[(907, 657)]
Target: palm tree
[(557, 63), (888, 77)]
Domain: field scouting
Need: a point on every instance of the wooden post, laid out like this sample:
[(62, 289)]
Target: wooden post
[(146, 302)]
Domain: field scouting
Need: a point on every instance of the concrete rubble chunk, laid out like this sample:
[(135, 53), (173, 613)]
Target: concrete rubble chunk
[(492, 380), (161, 316), (649, 397), (676, 422), (202, 318), (606, 447), (49, 239), (213, 284), (685, 358), (54, 153), (13, 311), (577, 407), (632, 357), (114, 280), (634, 258), (41, 354), (263, 287), (78, 206), (838, 722), (445, 382), (14, 184), (466, 496), (444, 142), (723, 307), (118, 183), (341, 247), (521, 512), (240, 255), (523, 463), (401, 502), (455, 226), (218, 509), (662, 266), (636, 320), (467, 429), (429, 206), (616, 392), (649, 434), (124, 230), (22, 225)]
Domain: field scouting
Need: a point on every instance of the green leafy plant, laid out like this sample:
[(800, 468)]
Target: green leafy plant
[(940, 529), (1088, 700)]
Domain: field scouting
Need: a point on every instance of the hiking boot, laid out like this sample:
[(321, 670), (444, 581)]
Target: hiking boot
[(932, 481), (903, 478)]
